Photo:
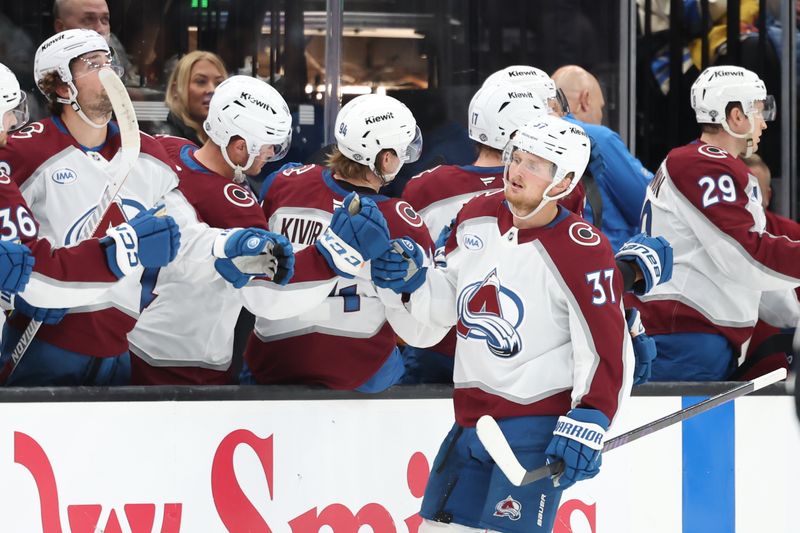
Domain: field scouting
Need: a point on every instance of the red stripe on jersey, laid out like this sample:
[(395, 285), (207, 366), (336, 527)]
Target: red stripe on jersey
[(662, 317), (470, 404), (342, 363), (97, 334)]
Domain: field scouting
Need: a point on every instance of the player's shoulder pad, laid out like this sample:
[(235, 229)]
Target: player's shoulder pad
[(697, 159), (580, 242), (482, 205), (402, 219), (418, 187)]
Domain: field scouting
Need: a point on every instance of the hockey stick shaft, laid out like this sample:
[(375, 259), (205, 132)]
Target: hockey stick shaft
[(130, 145), (504, 457)]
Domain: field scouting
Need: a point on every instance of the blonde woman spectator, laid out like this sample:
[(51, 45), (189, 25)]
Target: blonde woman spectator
[(189, 91)]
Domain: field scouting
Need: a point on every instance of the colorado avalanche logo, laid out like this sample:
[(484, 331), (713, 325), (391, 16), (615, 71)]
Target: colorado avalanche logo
[(481, 315), (508, 508), (238, 196)]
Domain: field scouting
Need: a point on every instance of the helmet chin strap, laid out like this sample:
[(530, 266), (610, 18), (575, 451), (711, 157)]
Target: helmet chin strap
[(747, 136), (72, 101), (238, 171)]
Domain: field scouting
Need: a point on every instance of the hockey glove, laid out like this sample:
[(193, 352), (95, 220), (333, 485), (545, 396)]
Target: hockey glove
[(353, 239), (652, 256), (45, 316), (275, 261), (644, 347), (401, 267), (578, 441), (439, 258), (16, 265), (148, 240)]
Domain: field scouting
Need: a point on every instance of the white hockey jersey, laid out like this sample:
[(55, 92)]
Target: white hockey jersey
[(538, 315), (708, 206)]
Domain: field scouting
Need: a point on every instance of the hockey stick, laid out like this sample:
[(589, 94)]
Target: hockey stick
[(130, 144), (492, 438)]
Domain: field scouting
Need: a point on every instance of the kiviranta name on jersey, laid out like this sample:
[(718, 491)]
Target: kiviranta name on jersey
[(301, 230)]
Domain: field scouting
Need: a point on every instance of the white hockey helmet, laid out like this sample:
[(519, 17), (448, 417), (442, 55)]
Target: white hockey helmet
[(373, 122), (716, 87), (554, 139), (12, 101), (497, 111), (533, 79), (56, 55), (253, 110)]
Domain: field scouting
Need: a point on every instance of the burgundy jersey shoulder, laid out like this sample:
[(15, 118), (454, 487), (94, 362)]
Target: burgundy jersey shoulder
[(153, 147), (173, 145), (482, 205), (686, 164), (404, 221), (575, 200), (28, 148), (446, 181), (577, 247), (297, 187)]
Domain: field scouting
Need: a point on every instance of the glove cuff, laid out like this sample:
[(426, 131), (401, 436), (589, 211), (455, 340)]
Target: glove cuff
[(586, 433), (218, 249), (344, 258), (123, 254), (646, 258)]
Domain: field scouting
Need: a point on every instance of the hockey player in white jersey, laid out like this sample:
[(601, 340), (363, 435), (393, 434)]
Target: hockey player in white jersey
[(185, 334), (62, 165), (707, 204), (536, 298)]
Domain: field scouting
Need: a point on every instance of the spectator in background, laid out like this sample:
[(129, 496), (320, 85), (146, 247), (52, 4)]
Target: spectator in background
[(189, 90), (92, 15), (619, 177)]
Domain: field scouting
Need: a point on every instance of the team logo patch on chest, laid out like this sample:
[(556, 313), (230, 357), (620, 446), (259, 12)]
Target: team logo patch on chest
[(238, 196), (508, 508), (584, 234), (5, 172), (62, 176), (490, 312)]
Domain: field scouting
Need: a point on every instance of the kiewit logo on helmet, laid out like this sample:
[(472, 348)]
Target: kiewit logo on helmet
[(52, 41), (520, 95), (256, 101), (724, 73), (515, 73), (378, 118)]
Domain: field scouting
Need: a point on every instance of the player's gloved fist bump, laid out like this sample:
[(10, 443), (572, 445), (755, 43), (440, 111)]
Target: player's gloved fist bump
[(16, 265), (43, 315), (236, 242), (578, 441), (284, 254), (401, 268), (353, 239), (652, 256), (644, 347)]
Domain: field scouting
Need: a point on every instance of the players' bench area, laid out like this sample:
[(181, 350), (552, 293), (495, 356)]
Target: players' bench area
[(301, 459)]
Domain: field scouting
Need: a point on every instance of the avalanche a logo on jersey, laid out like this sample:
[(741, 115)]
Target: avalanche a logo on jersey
[(508, 508), (120, 211), (488, 311)]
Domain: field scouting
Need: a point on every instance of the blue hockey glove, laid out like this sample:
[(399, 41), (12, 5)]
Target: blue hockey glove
[(400, 268), (353, 239), (578, 441), (652, 256), (644, 347), (45, 316), (237, 242), (439, 258), (263, 254), (147, 239), (16, 265)]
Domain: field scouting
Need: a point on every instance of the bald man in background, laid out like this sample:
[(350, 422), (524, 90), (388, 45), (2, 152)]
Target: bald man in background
[(620, 177), (92, 15)]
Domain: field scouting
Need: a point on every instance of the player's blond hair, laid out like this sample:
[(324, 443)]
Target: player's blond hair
[(347, 168), (177, 97)]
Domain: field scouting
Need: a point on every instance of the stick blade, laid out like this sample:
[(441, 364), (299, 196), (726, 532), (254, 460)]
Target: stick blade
[(768, 379), (492, 438)]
